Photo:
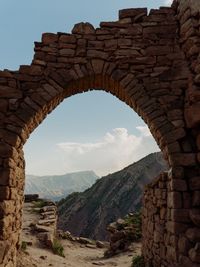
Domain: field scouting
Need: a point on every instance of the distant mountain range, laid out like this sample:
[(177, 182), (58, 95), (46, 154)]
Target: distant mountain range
[(56, 187), (111, 197)]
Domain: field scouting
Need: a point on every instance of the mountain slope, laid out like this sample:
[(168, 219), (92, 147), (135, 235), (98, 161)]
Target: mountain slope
[(113, 196), (58, 186)]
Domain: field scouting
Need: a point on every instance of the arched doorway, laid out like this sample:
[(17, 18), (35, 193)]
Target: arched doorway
[(133, 61)]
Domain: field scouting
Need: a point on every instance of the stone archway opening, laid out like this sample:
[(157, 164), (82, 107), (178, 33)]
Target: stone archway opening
[(78, 119), (38, 114), (126, 147), (149, 61)]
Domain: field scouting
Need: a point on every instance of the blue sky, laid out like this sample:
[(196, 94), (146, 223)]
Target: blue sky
[(89, 131)]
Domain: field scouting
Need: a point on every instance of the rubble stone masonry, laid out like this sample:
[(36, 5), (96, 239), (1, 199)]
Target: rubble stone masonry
[(151, 62)]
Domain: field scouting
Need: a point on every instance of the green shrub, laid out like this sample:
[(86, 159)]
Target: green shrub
[(58, 248), (138, 261), (39, 203), (135, 221), (23, 245)]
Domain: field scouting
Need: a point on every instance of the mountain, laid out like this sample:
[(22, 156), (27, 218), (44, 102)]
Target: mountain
[(111, 197), (56, 187)]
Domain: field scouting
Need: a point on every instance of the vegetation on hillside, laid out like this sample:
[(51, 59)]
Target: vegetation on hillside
[(58, 248), (111, 197)]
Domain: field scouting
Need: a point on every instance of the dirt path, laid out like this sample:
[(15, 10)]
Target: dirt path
[(75, 254)]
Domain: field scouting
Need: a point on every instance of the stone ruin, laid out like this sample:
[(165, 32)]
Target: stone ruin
[(152, 63)]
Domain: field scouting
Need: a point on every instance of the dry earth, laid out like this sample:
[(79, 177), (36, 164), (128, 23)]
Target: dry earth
[(75, 254)]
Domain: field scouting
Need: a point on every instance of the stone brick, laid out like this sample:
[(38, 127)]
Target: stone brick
[(97, 54), (192, 115), (83, 28), (187, 200), (196, 198), (198, 157), (183, 159), (97, 65), (124, 42), (7, 207), (67, 52), (32, 70), (178, 185), (180, 215), (198, 141), (194, 253), (70, 39), (127, 52), (9, 92), (194, 183), (158, 50), (110, 44), (176, 228), (132, 12), (193, 234), (3, 248), (96, 45), (172, 254), (186, 262), (176, 172), (195, 216), (184, 245), (134, 29), (48, 38), (113, 25)]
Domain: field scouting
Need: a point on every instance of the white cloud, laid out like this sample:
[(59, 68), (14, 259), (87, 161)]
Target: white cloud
[(168, 2), (144, 130), (114, 151)]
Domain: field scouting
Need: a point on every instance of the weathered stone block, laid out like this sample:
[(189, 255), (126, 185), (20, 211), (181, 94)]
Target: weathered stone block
[(3, 248), (131, 12), (176, 228), (4, 193), (196, 198), (97, 45), (158, 50), (9, 92), (97, 65), (195, 216), (183, 159), (186, 262), (184, 245), (180, 215), (134, 29), (97, 54), (192, 115), (124, 42), (178, 185), (67, 52), (83, 28), (194, 253), (48, 38), (194, 183), (70, 39), (193, 234)]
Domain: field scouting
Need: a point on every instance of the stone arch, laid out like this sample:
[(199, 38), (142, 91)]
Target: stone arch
[(138, 59)]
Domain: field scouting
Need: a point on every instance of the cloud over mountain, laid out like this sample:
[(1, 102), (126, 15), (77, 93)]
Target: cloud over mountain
[(115, 150)]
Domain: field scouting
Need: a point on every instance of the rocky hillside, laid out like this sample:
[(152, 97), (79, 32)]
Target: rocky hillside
[(111, 197), (58, 186)]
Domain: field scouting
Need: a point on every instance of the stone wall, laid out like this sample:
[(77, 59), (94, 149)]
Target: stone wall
[(150, 62), (156, 238), (167, 241)]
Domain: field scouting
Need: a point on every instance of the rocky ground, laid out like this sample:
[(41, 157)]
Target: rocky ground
[(76, 254)]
